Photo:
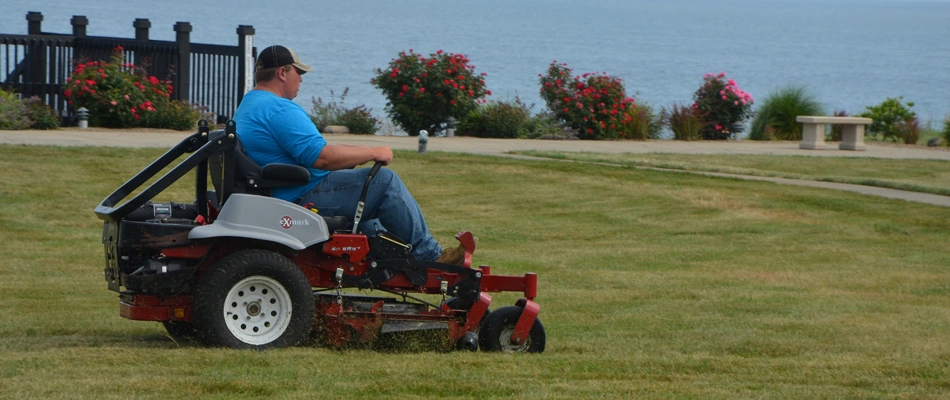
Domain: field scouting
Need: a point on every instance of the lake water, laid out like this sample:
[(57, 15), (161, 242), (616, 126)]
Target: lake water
[(849, 54)]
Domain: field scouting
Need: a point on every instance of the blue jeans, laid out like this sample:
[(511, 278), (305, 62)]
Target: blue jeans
[(387, 201)]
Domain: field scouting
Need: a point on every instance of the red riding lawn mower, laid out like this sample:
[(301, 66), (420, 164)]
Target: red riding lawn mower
[(238, 268)]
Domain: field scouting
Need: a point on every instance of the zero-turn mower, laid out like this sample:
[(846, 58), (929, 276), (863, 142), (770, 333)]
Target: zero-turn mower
[(238, 268)]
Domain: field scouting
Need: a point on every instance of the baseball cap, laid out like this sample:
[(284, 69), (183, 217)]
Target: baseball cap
[(278, 56)]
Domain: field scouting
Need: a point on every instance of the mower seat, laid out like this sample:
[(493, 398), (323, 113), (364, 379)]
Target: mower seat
[(251, 178)]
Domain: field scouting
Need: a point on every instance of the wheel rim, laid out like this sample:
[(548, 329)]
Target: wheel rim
[(504, 340), (257, 310)]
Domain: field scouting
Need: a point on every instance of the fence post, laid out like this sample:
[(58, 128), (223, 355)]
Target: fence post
[(79, 23), (35, 52), (34, 23), (246, 62), (141, 26), (183, 75)]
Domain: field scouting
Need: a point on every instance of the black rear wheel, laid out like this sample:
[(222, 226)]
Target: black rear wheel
[(254, 299)]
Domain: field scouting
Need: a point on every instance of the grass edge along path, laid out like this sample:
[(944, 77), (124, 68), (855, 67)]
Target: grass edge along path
[(727, 164)]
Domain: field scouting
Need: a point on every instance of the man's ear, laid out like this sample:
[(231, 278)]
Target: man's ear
[(282, 74)]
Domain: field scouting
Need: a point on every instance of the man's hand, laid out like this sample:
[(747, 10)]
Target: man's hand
[(383, 154)]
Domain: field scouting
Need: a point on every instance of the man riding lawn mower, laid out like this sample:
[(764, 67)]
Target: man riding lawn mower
[(242, 269)]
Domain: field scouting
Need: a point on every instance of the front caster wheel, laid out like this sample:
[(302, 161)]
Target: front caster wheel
[(497, 327), (254, 299)]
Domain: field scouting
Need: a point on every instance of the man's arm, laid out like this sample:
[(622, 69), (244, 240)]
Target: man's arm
[(334, 156)]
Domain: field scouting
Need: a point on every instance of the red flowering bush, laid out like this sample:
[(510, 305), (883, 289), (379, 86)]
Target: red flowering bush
[(721, 104), (119, 95), (596, 105), (423, 92)]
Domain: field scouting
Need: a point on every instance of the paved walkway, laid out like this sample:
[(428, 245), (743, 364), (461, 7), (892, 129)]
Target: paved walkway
[(168, 138), (498, 147)]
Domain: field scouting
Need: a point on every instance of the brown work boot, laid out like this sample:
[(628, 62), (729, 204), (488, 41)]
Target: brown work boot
[(462, 254), (454, 256)]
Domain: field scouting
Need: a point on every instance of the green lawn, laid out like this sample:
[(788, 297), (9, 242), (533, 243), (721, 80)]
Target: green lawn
[(652, 285)]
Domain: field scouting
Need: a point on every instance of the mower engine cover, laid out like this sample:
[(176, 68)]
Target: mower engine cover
[(268, 219)]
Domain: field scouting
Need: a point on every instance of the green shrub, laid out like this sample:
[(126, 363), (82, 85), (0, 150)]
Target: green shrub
[(684, 121), (503, 119), (423, 93), (172, 115), (497, 119), (14, 115), (32, 113), (890, 120), (946, 131), (43, 116), (358, 119), (779, 111), (594, 104), (722, 104), (547, 126)]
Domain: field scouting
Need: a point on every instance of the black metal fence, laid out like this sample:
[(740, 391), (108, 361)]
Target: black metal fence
[(206, 75)]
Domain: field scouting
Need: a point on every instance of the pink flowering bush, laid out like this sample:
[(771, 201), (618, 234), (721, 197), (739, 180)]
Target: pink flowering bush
[(423, 92), (721, 103), (596, 105), (119, 95)]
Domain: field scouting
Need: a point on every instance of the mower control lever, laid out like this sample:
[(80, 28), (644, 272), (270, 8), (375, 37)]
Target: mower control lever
[(359, 207)]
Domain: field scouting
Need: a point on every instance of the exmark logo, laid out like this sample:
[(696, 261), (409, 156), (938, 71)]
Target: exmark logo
[(286, 222)]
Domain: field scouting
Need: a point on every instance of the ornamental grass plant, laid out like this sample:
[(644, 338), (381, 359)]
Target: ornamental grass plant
[(775, 118), (684, 121), (643, 123)]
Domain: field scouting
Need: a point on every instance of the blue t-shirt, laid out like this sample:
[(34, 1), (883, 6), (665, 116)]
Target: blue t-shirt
[(276, 130)]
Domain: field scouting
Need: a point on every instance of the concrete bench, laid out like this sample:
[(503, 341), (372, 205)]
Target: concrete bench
[(852, 131)]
